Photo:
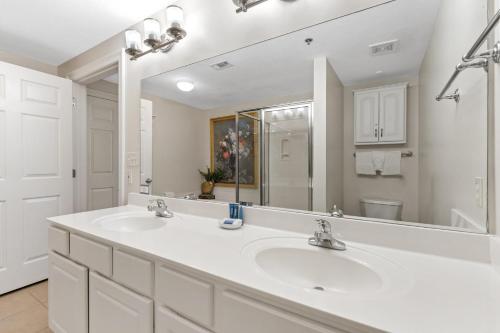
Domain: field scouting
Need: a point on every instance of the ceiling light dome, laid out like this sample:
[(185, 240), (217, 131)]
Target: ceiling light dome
[(185, 86)]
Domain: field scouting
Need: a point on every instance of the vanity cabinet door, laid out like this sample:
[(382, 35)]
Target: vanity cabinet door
[(238, 313), (113, 308), (68, 296), (169, 322)]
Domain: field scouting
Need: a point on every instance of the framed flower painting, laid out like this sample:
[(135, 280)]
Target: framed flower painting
[(223, 154)]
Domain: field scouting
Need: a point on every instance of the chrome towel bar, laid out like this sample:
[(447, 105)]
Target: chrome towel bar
[(404, 154), (473, 60)]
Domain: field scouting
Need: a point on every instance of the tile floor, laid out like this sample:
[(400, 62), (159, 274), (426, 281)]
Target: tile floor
[(25, 310)]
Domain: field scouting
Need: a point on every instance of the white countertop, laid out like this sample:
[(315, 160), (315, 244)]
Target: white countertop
[(446, 295)]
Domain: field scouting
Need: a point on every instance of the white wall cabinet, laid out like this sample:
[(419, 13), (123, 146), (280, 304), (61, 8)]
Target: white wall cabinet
[(68, 296), (113, 308), (380, 115)]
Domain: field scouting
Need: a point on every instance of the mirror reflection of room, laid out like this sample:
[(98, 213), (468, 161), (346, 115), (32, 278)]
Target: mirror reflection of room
[(322, 121)]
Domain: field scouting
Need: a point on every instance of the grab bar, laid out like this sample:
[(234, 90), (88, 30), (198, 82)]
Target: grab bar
[(471, 60)]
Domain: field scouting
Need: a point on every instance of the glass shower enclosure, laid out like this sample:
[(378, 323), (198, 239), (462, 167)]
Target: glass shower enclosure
[(274, 159)]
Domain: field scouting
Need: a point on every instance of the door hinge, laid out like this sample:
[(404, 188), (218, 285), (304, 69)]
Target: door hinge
[(74, 173), (74, 104)]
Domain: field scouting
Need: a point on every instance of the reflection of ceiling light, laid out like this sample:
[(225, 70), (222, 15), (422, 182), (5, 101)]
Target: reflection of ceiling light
[(185, 86), (379, 72)]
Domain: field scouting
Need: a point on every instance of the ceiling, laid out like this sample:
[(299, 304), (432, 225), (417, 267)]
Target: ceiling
[(284, 66), (54, 31)]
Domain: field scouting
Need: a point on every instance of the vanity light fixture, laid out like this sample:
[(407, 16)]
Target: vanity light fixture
[(154, 40), (186, 86), (244, 5)]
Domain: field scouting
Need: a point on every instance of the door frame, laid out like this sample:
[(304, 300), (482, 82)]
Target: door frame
[(87, 74)]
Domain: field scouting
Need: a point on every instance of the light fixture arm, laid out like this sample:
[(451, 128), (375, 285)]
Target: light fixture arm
[(244, 5), (163, 45)]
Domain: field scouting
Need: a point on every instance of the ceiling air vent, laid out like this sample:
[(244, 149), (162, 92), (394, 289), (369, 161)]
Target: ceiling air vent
[(384, 48), (222, 65)]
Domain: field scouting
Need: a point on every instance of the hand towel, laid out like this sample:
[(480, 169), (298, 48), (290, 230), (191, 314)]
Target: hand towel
[(378, 160), (364, 164), (392, 164)]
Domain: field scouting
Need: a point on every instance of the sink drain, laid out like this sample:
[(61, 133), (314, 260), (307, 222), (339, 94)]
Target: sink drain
[(319, 288)]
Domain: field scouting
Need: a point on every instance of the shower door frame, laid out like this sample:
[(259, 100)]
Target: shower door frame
[(263, 181)]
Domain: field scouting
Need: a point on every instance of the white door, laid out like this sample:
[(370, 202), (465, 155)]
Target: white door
[(68, 296), (35, 169), (146, 140), (393, 115), (102, 151), (113, 308), (366, 106)]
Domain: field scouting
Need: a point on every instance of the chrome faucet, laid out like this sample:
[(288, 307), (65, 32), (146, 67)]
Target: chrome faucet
[(336, 212), (323, 237), (160, 208)]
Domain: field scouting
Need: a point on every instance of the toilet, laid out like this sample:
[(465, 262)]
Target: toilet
[(381, 208)]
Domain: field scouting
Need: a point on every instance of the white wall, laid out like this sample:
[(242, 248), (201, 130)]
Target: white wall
[(453, 147), (327, 137), (27, 62), (104, 86), (404, 188), (177, 148)]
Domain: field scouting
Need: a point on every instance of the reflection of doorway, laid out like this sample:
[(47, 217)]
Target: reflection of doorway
[(146, 142), (102, 150)]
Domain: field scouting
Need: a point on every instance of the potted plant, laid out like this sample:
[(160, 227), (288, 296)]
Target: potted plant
[(210, 177)]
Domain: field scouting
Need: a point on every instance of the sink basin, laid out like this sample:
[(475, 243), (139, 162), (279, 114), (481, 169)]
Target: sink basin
[(131, 222), (355, 271)]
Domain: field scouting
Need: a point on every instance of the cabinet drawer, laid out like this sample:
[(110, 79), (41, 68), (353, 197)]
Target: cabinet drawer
[(113, 308), (169, 322), (94, 255), (133, 272), (59, 240), (238, 313), (184, 294)]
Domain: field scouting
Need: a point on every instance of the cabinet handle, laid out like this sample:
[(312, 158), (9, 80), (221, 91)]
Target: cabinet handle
[(381, 132), (376, 132)]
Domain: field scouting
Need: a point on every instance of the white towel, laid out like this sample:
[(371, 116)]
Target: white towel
[(392, 164), (378, 158), (364, 163)]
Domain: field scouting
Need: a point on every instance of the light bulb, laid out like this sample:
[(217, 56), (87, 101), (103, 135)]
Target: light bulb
[(133, 42), (175, 16), (151, 31)]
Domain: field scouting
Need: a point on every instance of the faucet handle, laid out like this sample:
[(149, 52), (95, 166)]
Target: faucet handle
[(336, 212), (324, 226)]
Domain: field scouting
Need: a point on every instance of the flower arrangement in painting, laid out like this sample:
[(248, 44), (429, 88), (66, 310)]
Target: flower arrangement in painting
[(225, 142)]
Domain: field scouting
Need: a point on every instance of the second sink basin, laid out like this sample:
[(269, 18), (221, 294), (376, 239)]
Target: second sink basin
[(131, 222), (355, 271)]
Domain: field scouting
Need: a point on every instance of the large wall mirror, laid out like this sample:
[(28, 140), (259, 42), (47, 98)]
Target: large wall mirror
[(340, 114)]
